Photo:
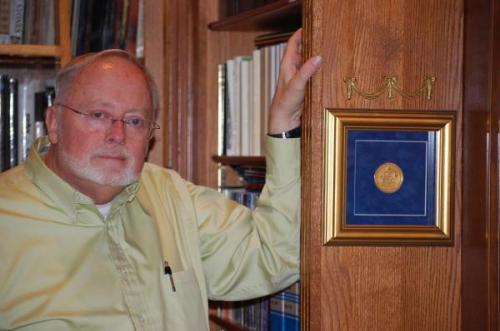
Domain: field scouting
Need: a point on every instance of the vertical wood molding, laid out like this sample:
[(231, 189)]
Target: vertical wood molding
[(312, 180), (154, 60), (63, 12), (181, 80), (480, 288), (305, 260)]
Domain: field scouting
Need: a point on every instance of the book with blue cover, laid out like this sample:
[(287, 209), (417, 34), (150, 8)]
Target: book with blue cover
[(285, 309)]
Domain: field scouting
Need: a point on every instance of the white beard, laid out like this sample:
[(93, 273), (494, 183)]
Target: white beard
[(85, 169)]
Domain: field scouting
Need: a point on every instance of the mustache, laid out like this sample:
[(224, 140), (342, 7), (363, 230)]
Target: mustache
[(116, 151)]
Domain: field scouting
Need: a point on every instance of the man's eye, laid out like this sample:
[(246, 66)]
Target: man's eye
[(134, 121), (97, 115)]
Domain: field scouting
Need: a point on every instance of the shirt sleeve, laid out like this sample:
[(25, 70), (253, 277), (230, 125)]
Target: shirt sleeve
[(249, 254)]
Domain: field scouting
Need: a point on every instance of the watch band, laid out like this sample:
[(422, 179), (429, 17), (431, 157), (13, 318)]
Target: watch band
[(293, 133)]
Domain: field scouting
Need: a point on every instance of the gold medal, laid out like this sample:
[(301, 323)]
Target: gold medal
[(388, 177)]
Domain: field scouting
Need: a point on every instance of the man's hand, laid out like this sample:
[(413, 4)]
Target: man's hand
[(286, 108)]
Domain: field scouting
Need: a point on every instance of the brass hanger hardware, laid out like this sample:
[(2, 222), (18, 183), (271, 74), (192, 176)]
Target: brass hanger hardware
[(391, 88)]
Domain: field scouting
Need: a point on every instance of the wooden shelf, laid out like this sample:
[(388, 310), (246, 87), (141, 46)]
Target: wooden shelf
[(278, 15), (226, 324), (257, 161), (31, 51)]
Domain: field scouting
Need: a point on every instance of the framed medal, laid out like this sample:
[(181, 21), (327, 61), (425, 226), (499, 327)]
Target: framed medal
[(388, 177)]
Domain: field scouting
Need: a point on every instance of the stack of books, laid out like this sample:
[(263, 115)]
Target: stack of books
[(246, 87), (27, 22), (23, 102), (104, 24)]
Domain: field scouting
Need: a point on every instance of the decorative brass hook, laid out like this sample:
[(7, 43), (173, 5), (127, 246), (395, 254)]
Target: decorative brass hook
[(389, 86)]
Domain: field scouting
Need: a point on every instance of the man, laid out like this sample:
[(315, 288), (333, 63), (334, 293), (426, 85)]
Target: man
[(93, 238)]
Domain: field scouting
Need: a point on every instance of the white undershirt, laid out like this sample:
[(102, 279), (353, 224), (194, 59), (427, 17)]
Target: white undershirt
[(104, 209)]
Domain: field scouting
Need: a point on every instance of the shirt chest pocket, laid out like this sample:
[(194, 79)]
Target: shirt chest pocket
[(183, 307)]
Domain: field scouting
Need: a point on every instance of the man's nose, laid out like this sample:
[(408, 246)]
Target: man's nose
[(116, 132)]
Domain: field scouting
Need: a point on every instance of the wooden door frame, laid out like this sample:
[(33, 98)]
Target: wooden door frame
[(481, 107), (181, 88)]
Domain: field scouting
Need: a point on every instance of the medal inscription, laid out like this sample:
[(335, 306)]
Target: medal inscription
[(388, 177)]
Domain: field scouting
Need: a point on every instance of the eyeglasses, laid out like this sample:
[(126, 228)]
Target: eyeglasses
[(135, 126)]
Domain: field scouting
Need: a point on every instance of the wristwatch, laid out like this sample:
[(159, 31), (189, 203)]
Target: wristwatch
[(293, 133)]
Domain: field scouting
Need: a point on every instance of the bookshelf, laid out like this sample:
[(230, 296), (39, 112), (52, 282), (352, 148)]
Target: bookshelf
[(275, 15), (36, 42), (40, 62), (229, 37), (60, 53)]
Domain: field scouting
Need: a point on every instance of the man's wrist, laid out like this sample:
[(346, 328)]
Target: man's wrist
[(293, 133)]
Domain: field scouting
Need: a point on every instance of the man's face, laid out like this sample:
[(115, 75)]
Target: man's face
[(104, 156)]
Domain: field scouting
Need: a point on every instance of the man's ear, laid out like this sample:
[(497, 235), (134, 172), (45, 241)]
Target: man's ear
[(51, 121)]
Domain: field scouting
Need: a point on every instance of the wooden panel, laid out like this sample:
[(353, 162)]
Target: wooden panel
[(379, 288), (406, 39), (18, 50), (480, 289), (180, 86), (63, 11), (154, 49)]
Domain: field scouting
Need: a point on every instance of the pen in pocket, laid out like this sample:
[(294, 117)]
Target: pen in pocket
[(168, 271)]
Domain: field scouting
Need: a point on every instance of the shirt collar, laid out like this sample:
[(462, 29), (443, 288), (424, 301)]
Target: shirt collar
[(63, 194)]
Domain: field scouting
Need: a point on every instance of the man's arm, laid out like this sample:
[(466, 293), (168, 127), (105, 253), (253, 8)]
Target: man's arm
[(250, 254)]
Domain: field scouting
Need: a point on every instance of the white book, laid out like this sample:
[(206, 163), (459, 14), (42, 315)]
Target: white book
[(26, 117), (266, 88), (272, 72), (139, 49), (245, 100), (257, 109), (233, 90), (221, 116)]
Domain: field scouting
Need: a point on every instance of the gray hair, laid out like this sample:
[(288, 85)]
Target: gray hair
[(65, 76)]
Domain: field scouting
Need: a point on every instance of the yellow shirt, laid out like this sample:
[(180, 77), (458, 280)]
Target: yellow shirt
[(63, 266)]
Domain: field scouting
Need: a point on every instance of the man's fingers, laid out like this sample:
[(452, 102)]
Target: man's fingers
[(300, 79)]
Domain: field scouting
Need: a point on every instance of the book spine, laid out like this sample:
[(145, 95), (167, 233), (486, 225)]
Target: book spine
[(285, 309), (221, 111), (16, 21), (9, 122), (4, 21), (26, 116), (256, 105), (139, 50), (245, 106), (4, 83)]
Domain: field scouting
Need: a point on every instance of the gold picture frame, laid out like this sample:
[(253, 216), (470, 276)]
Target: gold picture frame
[(388, 177)]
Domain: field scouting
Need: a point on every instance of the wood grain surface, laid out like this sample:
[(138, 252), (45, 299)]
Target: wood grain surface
[(379, 287)]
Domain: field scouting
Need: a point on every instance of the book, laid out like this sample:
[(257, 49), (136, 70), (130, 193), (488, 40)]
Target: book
[(47, 23), (221, 109), (234, 94), (16, 21), (257, 134), (4, 96), (9, 122), (4, 21), (139, 50), (246, 106), (28, 85), (285, 309), (11, 21)]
